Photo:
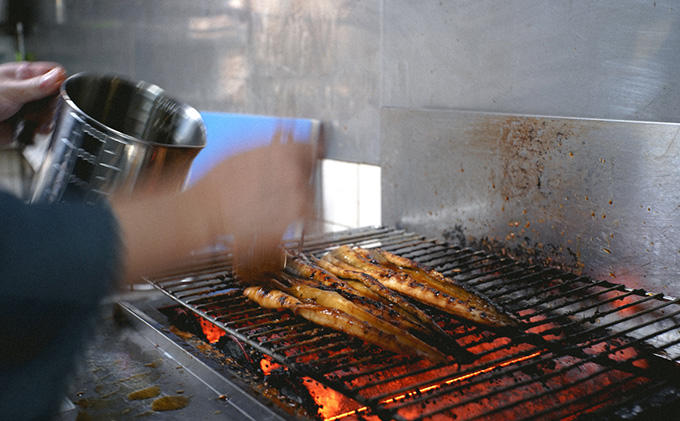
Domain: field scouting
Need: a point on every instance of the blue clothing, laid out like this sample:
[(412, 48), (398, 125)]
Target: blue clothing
[(57, 261)]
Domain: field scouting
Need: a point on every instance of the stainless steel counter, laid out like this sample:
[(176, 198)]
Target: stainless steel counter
[(132, 353)]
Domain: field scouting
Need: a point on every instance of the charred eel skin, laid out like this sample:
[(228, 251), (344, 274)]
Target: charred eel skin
[(365, 293), (424, 285), (341, 321)]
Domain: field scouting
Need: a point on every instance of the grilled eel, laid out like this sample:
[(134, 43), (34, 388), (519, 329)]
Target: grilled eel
[(376, 292), (339, 320), (366, 285), (351, 303), (371, 297), (424, 285)]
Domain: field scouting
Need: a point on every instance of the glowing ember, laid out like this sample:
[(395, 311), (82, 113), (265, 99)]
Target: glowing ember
[(211, 332), (508, 380), (430, 388), (331, 402), (268, 366), (544, 372)]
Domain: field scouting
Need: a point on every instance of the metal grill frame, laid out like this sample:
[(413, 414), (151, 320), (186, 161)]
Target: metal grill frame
[(583, 312)]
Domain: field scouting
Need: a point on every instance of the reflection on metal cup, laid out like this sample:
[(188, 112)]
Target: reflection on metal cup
[(117, 136)]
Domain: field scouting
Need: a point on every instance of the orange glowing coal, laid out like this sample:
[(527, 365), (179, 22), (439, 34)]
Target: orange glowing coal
[(579, 384), (329, 401), (211, 332), (267, 366), (628, 305), (432, 387)]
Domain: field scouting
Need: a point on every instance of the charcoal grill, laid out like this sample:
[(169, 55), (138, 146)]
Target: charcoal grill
[(586, 349)]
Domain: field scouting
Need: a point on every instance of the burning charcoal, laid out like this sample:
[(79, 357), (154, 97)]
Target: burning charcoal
[(187, 321), (581, 348), (292, 387), (242, 354)]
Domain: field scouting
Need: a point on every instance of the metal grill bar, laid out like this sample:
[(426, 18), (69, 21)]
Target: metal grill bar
[(571, 323), (537, 396)]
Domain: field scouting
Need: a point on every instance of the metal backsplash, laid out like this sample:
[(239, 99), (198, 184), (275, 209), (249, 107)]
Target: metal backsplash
[(598, 197)]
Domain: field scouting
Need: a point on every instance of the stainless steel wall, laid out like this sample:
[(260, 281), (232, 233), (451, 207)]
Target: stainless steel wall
[(467, 157), (373, 70), (613, 59), (342, 60), (595, 197), (295, 58)]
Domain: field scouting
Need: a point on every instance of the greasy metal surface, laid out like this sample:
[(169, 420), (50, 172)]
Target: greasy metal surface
[(597, 197), (233, 398), (585, 343), (122, 360)]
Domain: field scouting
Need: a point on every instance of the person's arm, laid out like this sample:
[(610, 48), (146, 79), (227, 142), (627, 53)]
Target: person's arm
[(257, 194), (65, 252), (57, 262), (254, 195)]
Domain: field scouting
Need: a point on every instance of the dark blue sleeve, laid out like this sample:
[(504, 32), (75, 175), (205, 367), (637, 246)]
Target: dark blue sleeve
[(57, 262), (66, 252)]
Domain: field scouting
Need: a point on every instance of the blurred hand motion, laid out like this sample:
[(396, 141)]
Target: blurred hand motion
[(27, 92), (254, 196), (262, 193)]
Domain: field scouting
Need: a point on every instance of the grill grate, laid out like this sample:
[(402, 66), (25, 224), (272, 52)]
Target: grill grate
[(586, 346)]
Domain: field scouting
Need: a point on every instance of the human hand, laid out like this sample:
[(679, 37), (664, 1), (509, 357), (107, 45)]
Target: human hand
[(254, 196), (259, 194), (26, 83)]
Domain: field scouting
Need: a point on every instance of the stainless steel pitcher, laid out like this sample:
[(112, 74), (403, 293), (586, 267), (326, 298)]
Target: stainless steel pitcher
[(116, 136)]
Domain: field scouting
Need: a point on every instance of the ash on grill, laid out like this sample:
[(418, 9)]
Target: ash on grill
[(279, 385), (586, 348)]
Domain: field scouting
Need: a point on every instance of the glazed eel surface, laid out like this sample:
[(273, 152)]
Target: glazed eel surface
[(367, 293)]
